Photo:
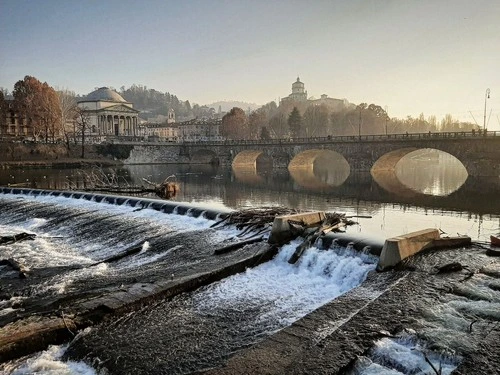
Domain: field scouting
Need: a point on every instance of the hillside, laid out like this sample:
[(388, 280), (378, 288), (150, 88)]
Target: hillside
[(227, 105)]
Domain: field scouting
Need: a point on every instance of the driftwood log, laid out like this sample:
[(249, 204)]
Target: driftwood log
[(8, 240), (117, 257), (97, 180), (237, 245), (16, 266)]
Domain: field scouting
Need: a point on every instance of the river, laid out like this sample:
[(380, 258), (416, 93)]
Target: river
[(206, 326), (429, 189)]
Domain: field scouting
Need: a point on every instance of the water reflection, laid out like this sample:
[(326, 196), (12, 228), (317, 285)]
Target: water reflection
[(252, 175), (328, 169), (431, 172), (255, 187)]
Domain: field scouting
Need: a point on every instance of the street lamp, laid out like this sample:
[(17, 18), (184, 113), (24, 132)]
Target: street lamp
[(486, 96)]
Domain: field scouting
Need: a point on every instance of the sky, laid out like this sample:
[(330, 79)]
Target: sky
[(428, 56)]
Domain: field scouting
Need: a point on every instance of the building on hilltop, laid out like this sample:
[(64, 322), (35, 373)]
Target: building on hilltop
[(109, 114), (298, 92), (299, 96), (335, 105)]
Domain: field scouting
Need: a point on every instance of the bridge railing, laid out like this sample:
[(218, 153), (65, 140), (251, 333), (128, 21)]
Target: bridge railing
[(330, 139)]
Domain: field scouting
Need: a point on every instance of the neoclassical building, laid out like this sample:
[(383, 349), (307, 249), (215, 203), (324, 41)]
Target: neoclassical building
[(109, 113)]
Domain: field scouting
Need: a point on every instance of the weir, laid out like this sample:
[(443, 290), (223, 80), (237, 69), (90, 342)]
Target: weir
[(172, 299)]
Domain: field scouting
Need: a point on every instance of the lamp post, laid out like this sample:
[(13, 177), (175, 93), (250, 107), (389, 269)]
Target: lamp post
[(486, 96), (386, 119)]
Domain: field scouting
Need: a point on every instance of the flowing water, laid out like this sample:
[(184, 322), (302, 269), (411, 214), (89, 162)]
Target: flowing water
[(201, 329)]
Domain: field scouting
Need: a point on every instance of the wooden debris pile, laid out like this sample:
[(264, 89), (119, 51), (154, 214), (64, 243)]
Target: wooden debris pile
[(253, 219), (333, 222), (257, 222), (97, 180), (166, 190)]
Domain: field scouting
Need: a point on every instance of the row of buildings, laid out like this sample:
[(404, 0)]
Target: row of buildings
[(109, 116)]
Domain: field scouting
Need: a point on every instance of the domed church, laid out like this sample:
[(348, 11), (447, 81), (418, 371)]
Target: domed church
[(109, 114), (298, 93)]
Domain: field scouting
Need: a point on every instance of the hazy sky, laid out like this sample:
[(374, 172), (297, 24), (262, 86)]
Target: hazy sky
[(434, 56)]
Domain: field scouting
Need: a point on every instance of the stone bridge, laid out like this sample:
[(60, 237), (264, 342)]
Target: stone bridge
[(479, 153)]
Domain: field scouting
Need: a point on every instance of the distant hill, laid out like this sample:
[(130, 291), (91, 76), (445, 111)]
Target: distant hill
[(227, 105)]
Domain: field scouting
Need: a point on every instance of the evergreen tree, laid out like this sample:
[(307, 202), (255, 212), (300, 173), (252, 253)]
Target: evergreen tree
[(264, 133), (295, 122)]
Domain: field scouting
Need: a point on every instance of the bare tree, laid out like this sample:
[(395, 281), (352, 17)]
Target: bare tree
[(82, 121), (68, 111)]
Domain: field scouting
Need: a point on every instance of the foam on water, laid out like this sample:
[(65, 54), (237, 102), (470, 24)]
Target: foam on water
[(49, 250), (404, 355), (47, 362), (290, 291)]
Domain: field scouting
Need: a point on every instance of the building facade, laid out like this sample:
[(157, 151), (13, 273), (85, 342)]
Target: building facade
[(200, 130), (14, 124), (161, 132), (109, 114)]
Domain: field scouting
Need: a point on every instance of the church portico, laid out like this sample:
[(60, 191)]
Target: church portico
[(109, 114)]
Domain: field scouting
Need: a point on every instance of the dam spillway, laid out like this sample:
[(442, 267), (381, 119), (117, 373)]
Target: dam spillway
[(319, 299), (77, 230)]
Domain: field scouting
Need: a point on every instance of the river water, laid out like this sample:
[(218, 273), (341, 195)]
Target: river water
[(429, 189), (426, 191)]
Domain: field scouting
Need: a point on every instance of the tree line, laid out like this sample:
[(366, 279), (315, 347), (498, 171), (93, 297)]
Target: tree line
[(303, 120), (51, 115), (152, 102), (48, 112)]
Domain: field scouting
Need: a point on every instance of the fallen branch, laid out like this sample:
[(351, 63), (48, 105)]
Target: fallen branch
[(117, 257), (332, 222), (8, 240), (237, 245)]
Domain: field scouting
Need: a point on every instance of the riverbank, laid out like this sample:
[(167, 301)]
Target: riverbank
[(59, 163), (15, 155)]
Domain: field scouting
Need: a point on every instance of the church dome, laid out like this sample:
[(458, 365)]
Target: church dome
[(297, 83), (105, 94)]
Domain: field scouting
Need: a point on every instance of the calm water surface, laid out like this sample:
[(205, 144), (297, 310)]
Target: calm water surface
[(427, 190)]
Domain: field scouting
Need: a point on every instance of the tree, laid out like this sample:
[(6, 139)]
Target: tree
[(38, 103), (316, 121), (82, 121), (256, 121), (67, 108), (264, 133), (27, 102), (278, 125), (295, 123), (50, 113), (3, 110), (235, 124)]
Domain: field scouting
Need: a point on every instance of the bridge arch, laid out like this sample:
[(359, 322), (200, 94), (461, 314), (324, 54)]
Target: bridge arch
[(319, 167), (252, 159), (387, 162), (427, 171), (204, 156)]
